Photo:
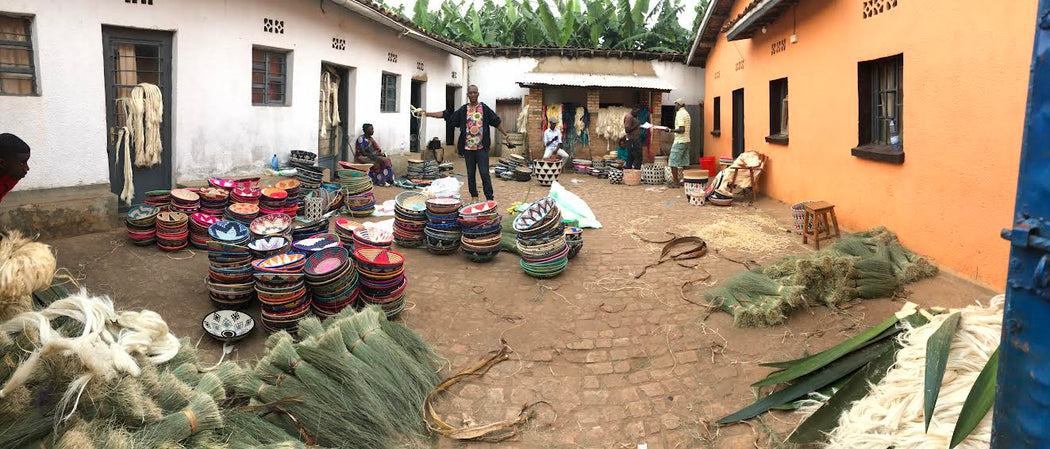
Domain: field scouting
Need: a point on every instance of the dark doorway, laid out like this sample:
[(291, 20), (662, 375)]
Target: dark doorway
[(414, 128), (738, 122), (332, 115), (451, 104), (134, 56)]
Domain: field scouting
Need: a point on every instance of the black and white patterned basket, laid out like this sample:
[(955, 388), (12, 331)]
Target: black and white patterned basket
[(653, 174), (615, 176)]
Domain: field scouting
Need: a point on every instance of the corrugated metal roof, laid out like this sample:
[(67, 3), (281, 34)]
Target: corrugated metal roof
[(593, 80)]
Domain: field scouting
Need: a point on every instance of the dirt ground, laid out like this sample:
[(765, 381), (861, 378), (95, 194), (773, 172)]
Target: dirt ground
[(620, 361)]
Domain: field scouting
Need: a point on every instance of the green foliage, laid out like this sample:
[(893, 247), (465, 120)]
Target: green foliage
[(612, 24)]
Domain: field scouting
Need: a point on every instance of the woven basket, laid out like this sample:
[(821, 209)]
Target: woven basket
[(798, 212), (615, 176), (632, 177)]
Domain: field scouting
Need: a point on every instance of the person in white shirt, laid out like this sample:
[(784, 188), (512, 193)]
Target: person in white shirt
[(552, 141)]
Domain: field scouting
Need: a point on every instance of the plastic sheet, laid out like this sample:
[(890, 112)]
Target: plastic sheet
[(573, 208)]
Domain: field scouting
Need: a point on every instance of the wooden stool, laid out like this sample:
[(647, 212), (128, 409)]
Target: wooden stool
[(817, 213)]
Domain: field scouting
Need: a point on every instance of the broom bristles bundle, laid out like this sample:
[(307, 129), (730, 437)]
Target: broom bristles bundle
[(187, 373), (249, 430), (211, 385), (411, 342), (201, 414), (383, 358), (76, 437), (310, 327)]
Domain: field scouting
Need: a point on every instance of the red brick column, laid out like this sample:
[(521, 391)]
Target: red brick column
[(656, 146), (533, 137)]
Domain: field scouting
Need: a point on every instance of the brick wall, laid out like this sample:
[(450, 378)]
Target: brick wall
[(533, 137)]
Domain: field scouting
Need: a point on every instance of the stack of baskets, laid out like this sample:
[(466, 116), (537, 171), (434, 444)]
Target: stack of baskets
[(310, 176), (199, 224), (482, 231), (420, 169), (652, 174), (344, 229), (230, 283), (267, 247), (300, 158), (574, 238), (410, 219), (184, 200), (358, 199), (302, 229), (582, 166), (372, 238), (281, 289), (244, 213), (382, 279), (245, 195), (272, 201), (332, 280), (273, 225), (315, 243), (172, 231), (295, 197), (214, 200), (599, 168), (159, 198), (541, 239), (142, 224), (442, 231)]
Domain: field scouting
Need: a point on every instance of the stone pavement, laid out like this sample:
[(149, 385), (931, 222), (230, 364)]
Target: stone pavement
[(620, 361)]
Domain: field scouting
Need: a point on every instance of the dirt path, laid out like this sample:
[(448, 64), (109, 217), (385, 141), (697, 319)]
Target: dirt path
[(622, 361)]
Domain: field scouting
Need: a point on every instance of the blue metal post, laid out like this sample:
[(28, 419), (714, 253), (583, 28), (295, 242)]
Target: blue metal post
[(1022, 394)]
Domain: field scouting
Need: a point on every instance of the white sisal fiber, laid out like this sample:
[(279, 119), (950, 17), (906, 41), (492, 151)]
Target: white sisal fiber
[(106, 348), (25, 267), (127, 193), (891, 415), (610, 123), (153, 116)]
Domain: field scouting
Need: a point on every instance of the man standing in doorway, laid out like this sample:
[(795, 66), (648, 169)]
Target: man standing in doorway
[(473, 119), (680, 148), (632, 129), (14, 162)]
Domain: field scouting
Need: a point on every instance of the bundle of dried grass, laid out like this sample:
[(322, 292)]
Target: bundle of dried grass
[(609, 123), (26, 266), (866, 265), (891, 415)]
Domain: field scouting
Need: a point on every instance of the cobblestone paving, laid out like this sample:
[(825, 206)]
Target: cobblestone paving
[(620, 361)]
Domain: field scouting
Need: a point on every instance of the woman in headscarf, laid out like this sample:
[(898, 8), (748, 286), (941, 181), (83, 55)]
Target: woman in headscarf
[(366, 151)]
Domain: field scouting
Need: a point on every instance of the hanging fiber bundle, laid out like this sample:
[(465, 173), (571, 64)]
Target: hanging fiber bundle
[(127, 192), (25, 267), (153, 116), (134, 113)]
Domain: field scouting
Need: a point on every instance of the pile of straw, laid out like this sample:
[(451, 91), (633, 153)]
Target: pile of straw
[(866, 265), (757, 234), (891, 415), (81, 374)]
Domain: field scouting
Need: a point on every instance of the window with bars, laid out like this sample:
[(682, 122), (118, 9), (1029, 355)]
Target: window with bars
[(388, 95), (880, 87), (17, 73), (269, 77)]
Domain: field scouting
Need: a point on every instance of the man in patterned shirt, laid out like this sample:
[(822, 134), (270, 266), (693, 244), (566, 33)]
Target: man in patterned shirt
[(474, 119)]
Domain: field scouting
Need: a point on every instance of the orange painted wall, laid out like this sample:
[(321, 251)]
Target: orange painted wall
[(965, 82)]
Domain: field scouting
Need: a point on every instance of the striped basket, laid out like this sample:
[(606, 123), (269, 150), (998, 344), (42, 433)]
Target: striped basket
[(798, 212)]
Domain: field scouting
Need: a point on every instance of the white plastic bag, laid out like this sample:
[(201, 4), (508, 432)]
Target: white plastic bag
[(444, 188), (572, 207)]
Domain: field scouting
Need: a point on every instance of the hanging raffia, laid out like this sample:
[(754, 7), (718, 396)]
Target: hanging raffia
[(329, 102), (153, 107)]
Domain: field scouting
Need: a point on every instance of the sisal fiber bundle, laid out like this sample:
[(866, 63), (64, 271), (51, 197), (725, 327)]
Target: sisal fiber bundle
[(26, 266), (891, 415)]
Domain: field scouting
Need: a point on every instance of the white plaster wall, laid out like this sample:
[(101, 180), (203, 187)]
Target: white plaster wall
[(688, 81), (216, 129), (497, 77)]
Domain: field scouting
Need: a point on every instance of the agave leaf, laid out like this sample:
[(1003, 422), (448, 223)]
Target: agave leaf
[(937, 348), (826, 375), (822, 359), (826, 417), (826, 391), (915, 320), (978, 401)]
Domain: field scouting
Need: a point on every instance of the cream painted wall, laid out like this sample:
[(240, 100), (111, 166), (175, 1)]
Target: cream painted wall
[(216, 129)]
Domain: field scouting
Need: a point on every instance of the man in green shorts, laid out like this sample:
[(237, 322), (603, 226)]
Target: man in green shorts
[(680, 148)]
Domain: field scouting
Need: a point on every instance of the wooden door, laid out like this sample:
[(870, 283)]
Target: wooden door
[(508, 111)]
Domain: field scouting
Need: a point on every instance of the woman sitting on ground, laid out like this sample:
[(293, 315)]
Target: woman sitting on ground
[(367, 151)]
